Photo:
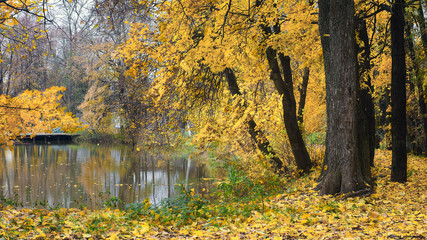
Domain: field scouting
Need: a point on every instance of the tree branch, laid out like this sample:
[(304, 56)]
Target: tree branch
[(225, 19), (20, 108), (26, 10)]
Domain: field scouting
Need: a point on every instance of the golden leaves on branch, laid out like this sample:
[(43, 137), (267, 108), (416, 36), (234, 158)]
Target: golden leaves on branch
[(34, 112)]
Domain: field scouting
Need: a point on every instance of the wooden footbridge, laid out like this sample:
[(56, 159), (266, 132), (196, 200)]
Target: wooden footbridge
[(56, 137), (48, 138)]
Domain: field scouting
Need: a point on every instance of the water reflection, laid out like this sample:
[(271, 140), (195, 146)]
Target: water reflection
[(90, 175)]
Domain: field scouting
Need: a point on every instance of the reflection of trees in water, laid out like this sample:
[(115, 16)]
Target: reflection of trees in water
[(134, 176), (4, 175), (100, 172), (33, 172), (72, 175)]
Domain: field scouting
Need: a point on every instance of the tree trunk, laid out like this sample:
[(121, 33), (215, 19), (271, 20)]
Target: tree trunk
[(383, 118), (343, 171), (423, 111), (284, 86), (422, 24), (1, 79), (303, 95), (302, 158), (257, 135), (398, 93), (366, 109), (421, 92), (417, 81)]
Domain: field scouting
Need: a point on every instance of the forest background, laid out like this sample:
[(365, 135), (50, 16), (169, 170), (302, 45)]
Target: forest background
[(246, 79), (148, 72)]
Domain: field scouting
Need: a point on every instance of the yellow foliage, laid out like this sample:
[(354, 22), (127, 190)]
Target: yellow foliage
[(95, 111), (8, 11), (34, 112), (193, 42)]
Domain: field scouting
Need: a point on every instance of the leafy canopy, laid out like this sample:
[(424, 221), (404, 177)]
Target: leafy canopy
[(34, 112)]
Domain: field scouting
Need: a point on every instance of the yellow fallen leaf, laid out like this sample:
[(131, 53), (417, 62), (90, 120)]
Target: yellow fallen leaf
[(114, 236)]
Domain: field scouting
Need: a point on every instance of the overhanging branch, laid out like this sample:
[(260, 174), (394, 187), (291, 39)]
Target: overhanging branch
[(19, 108)]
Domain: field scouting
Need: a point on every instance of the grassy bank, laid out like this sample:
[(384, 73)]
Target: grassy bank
[(292, 210), (93, 136)]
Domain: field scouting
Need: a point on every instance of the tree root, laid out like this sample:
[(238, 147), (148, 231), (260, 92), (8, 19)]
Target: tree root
[(363, 192)]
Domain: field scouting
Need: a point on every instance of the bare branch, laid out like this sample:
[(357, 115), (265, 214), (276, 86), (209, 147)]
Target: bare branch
[(225, 19)]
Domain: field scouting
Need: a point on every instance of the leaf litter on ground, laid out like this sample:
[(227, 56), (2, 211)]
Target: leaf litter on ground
[(394, 211)]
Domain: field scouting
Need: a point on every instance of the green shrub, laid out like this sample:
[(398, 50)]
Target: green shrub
[(237, 196)]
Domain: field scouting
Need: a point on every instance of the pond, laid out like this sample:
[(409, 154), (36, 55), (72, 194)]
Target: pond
[(95, 176)]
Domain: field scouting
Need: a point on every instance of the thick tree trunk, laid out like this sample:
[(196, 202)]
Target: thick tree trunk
[(324, 30), (343, 170), (257, 135), (365, 130), (398, 93), (303, 95), (366, 110)]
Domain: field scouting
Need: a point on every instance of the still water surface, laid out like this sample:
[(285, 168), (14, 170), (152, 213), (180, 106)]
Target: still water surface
[(75, 176)]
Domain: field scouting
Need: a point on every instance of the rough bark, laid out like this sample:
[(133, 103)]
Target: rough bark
[(343, 171), (303, 95), (366, 110), (257, 135), (324, 30), (398, 93)]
